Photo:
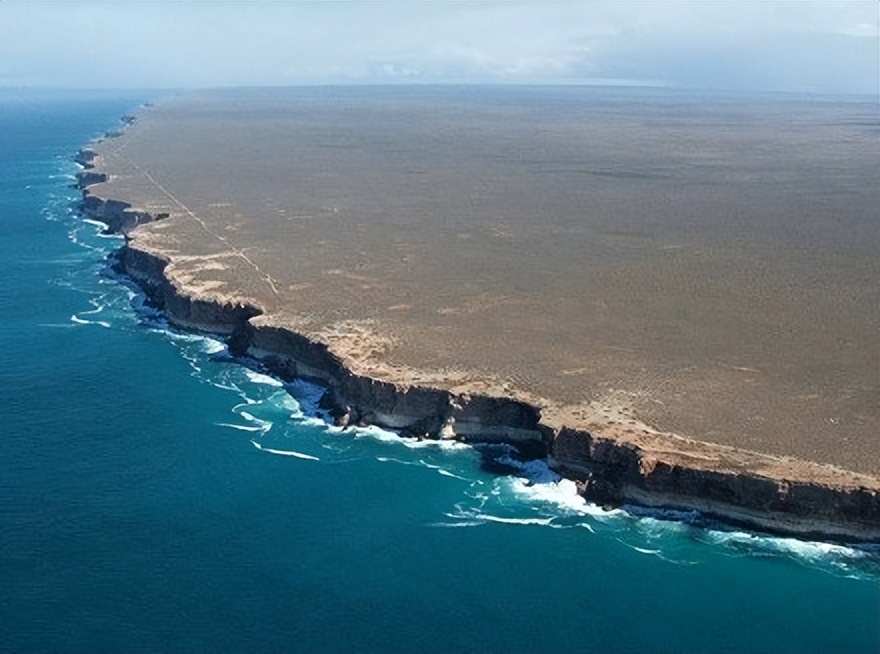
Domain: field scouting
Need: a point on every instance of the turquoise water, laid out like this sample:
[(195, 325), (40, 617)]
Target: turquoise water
[(157, 496)]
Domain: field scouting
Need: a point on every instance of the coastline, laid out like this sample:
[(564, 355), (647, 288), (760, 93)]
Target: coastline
[(612, 463)]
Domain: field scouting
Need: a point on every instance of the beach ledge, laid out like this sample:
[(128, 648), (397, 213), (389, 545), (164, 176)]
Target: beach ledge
[(612, 463)]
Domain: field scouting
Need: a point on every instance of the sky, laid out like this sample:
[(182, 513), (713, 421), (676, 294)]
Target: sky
[(818, 47)]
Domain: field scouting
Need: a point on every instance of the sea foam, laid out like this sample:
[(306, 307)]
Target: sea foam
[(298, 455)]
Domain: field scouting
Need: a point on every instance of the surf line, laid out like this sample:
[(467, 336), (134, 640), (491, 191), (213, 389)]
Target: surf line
[(298, 455)]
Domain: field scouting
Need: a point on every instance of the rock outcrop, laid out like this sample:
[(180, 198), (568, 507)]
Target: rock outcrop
[(85, 157), (87, 178)]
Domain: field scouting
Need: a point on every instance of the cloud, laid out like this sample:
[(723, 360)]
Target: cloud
[(816, 46)]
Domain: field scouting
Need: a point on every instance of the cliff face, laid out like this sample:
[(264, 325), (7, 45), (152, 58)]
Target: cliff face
[(88, 177), (615, 472), (120, 217), (357, 399), (85, 157), (610, 467), (185, 310)]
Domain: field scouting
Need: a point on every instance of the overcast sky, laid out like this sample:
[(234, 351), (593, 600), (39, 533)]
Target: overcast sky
[(826, 47)]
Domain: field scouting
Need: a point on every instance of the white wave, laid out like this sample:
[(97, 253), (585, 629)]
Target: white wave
[(212, 345), (226, 387), (377, 433), (562, 494), (81, 321), (515, 521), (387, 459), (95, 302), (446, 473), (539, 483), (290, 404), (276, 405), (73, 236), (260, 378), (601, 513), (239, 427), (182, 337), (315, 422), (298, 455), (95, 223), (587, 526), (386, 436), (477, 516), (643, 550), (808, 551), (441, 444), (264, 425), (815, 550), (440, 469), (657, 530), (543, 485), (833, 558), (247, 402), (658, 553)]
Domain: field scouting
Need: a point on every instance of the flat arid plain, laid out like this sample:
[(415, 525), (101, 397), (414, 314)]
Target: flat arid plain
[(705, 265)]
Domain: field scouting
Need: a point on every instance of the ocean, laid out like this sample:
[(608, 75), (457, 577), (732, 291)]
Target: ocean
[(158, 495)]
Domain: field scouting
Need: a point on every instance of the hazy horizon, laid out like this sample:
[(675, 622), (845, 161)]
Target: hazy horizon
[(816, 47)]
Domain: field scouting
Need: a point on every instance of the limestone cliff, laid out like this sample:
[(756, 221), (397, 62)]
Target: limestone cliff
[(735, 486)]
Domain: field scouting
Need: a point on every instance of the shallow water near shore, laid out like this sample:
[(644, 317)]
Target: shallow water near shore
[(158, 495)]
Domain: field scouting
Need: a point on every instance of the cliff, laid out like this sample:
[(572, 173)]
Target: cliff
[(612, 463), (737, 487)]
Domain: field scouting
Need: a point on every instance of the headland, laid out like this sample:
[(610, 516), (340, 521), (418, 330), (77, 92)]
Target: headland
[(672, 298)]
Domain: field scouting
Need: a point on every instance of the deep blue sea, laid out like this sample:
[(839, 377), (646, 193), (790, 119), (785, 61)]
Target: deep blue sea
[(156, 495)]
